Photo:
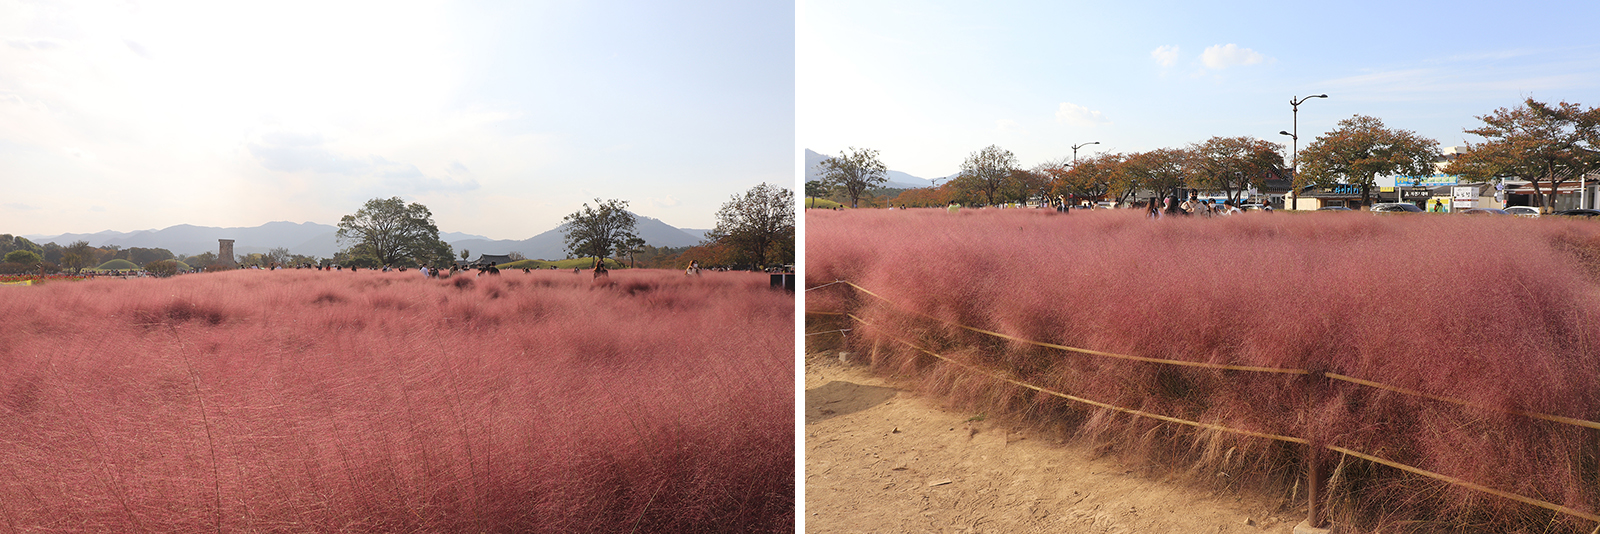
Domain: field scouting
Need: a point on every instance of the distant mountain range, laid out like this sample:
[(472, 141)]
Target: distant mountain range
[(897, 179), (312, 239)]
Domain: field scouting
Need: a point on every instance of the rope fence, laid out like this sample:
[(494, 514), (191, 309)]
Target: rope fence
[(1334, 376)]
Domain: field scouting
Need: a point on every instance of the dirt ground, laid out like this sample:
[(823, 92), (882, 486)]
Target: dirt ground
[(879, 459)]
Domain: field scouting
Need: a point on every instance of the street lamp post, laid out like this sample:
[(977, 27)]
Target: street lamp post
[(1075, 151), (1294, 167)]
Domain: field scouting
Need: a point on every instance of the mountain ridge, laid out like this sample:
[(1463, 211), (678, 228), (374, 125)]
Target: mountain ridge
[(315, 239)]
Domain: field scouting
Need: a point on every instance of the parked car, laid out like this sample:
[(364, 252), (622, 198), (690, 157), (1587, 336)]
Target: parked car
[(1396, 207), (1334, 208), (1578, 213), (1486, 211), (1524, 211), (1252, 207)]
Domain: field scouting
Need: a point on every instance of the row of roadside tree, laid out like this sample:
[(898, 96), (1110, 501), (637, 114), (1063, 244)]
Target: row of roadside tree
[(1544, 144)]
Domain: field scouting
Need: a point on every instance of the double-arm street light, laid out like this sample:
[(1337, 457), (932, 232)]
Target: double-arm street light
[(1294, 166), (1075, 151)]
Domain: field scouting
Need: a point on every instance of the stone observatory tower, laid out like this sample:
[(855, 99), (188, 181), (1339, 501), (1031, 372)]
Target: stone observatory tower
[(225, 253)]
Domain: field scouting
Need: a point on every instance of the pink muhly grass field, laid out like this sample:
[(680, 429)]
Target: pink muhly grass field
[(1501, 312), (296, 401)]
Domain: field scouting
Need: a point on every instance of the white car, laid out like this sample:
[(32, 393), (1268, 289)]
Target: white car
[(1524, 211)]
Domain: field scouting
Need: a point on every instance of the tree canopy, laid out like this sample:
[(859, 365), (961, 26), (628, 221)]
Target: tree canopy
[(1159, 170), (23, 257), (759, 223), (392, 232), (9, 243), (1231, 164), (598, 231), (985, 171), (853, 171), (1094, 176), (1362, 148), (78, 255), (1544, 144)]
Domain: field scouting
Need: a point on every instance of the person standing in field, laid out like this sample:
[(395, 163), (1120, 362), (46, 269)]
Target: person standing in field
[(1153, 210), (600, 268)]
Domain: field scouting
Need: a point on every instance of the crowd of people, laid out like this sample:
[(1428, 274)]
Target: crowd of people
[(1191, 207)]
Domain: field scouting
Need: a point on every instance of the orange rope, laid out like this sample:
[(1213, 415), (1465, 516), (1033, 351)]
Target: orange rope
[(1335, 376), (1088, 401), (1416, 470), (1463, 483)]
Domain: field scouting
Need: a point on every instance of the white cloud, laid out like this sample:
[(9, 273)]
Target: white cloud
[(1230, 55), (1166, 55), (290, 152), (1078, 115), (34, 44), (136, 48), (1009, 126), (664, 202)]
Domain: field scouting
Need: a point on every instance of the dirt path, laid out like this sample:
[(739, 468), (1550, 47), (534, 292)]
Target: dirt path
[(879, 459)]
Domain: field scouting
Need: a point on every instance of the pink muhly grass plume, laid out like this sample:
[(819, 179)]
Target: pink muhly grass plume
[(1500, 313), (318, 401)]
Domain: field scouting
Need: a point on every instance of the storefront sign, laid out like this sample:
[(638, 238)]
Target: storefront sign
[(1436, 180), (1464, 197), (1343, 190)]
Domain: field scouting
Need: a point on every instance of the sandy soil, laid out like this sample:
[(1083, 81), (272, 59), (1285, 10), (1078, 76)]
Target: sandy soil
[(880, 459)]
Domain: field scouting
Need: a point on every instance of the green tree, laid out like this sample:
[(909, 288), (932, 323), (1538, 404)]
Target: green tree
[(164, 268), (816, 188), (627, 248), (1022, 184), (201, 260), (278, 255), (9, 243), (759, 224), (854, 171), (23, 257), (1546, 145), (78, 255), (1231, 164), (596, 232), (392, 232), (985, 171), (1363, 148)]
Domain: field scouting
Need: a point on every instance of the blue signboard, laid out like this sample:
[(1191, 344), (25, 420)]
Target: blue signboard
[(1437, 180)]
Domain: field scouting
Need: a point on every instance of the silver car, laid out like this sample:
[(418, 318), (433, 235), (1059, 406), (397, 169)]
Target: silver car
[(1395, 207), (1524, 211)]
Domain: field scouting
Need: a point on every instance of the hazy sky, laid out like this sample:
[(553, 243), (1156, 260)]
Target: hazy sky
[(501, 117), (927, 83)]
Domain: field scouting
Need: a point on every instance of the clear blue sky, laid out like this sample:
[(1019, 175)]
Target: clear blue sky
[(501, 117), (927, 83)]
